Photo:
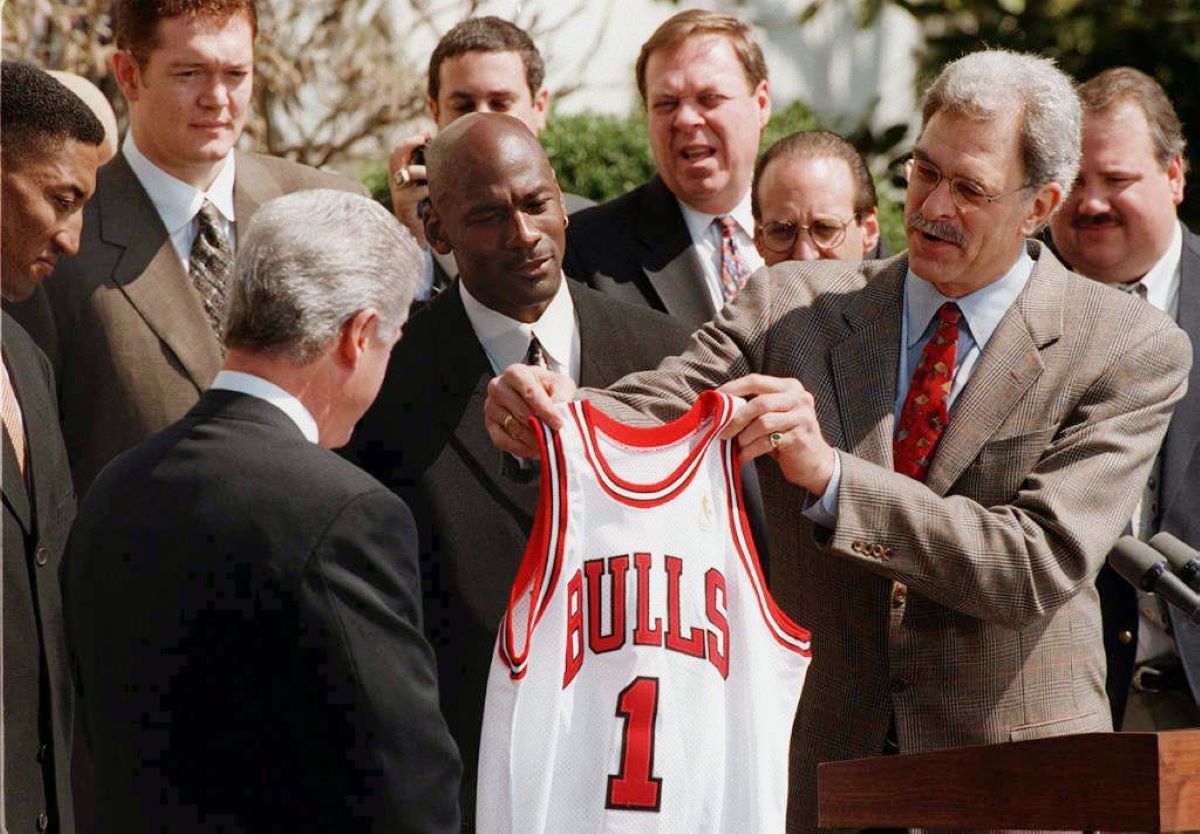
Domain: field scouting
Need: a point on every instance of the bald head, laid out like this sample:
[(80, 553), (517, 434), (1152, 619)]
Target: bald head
[(477, 139), (497, 207)]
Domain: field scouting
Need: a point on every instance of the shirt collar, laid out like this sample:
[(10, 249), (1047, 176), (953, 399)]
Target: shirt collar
[(506, 340), (175, 200), (256, 386), (982, 308), (699, 224), (1162, 281)]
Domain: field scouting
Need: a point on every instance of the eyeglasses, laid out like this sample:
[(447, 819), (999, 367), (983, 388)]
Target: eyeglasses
[(826, 233), (925, 177)]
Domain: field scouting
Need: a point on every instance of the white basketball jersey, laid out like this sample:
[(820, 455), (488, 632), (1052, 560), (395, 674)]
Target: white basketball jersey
[(644, 679)]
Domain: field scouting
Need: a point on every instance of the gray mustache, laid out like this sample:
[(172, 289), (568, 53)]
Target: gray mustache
[(946, 231)]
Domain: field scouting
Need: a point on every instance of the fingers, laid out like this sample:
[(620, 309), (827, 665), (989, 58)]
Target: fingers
[(769, 394), (513, 396), (406, 183)]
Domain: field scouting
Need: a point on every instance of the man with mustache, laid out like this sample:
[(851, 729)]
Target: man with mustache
[(497, 207), (950, 440), (1119, 226), (683, 242), (134, 331)]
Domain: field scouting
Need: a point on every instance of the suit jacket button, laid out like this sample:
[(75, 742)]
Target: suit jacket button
[(41, 753), (43, 821), (1125, 637), (41, 555), (899, 683), (899, 595), (877, 551), (856, 546)]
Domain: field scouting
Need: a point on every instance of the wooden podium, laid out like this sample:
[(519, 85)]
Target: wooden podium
[(1088, 782)]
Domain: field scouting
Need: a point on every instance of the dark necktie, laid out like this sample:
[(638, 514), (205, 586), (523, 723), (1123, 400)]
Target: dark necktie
[(210, 265), (926, 408), (535, 355), (734, 269)]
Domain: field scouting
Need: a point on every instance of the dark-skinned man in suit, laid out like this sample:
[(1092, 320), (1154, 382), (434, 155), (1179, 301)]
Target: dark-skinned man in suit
[(49, 152), (497, 207)]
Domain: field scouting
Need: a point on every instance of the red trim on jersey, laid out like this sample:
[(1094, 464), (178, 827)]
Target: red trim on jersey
[(588, 418), (543, 550), (786, 632)]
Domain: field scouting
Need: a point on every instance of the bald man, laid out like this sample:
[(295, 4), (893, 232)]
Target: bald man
[(500, 213)]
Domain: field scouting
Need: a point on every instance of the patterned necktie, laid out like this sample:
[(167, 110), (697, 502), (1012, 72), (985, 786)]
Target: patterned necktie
[(734, 269), (536, 355), (10, 409), (927, 406), (210, 265)]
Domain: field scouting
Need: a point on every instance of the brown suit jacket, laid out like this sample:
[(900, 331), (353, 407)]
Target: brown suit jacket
[(130, 343), (998, 636)]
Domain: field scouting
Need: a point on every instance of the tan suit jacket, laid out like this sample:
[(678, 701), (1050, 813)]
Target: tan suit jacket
[(131, 345), (998, 636)]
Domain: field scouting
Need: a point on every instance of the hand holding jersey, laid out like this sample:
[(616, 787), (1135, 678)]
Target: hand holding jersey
[(780, 420)]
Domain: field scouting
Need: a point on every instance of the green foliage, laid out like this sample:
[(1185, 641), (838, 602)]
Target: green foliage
[(1159, 37)]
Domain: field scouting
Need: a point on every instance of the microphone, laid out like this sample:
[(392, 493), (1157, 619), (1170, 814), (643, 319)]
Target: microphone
[(1184, 560), (1143, 567)]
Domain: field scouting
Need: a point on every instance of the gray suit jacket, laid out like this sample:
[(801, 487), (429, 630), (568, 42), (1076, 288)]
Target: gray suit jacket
[(130, 343), (998, 637), (1179, 496), (637, 248), (38, 699)]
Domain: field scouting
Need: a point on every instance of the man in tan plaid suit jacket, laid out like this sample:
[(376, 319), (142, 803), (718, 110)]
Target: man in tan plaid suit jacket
[(961, 609)]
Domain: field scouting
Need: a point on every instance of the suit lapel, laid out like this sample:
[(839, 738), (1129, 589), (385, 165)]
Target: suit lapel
[(1009, 365), (466, 372), (598, 366), (669, 259), (151, 276), (1184, 432), (16, 496), (864, 366)]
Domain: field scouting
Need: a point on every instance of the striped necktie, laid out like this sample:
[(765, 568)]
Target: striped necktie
[(210, 266)]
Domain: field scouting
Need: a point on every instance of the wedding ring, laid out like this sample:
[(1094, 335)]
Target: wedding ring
[(776, 437), (402, 178), (508, 421)]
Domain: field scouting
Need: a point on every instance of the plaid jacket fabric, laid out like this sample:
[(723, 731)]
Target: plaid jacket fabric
[(997, 636)]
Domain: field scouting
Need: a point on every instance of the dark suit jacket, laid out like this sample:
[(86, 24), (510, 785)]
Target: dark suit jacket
[(38, 701), (425, 438), (1179, 513), (131, 345), (244, 617), (637, 248)]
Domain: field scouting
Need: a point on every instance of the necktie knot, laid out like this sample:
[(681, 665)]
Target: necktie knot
[(535, 355), (728, 226), (949, 313)]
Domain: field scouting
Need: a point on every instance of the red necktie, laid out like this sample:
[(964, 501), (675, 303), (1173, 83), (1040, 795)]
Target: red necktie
[(734, 269), (927, 405)]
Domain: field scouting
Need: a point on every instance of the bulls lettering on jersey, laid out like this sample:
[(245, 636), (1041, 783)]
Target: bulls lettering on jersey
[(644, 679)]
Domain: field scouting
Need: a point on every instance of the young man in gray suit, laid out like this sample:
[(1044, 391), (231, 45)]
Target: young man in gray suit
[(243, 605), (133, 331), (1119, 226), (956, 438), (49, 152)]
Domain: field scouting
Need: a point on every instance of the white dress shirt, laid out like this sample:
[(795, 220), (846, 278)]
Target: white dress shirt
[(256, 386), (178, 203), (506, 341), (706, 237)]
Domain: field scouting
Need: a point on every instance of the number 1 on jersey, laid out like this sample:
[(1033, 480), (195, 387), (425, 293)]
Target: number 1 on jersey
[(634, 787)]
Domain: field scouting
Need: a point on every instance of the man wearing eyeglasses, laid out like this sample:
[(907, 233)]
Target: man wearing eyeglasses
[(813, 198), (958, 436)]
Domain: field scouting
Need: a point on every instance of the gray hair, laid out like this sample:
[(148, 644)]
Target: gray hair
[(308, 262), (996, 83)]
